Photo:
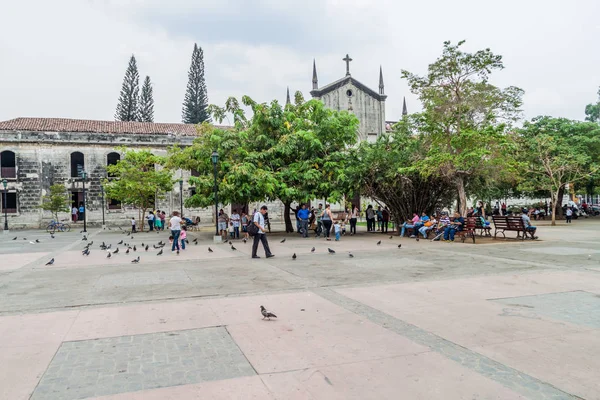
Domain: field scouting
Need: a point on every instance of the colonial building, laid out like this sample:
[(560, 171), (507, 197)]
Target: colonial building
[(36, 153)]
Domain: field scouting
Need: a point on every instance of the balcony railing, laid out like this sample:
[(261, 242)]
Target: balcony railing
[(8, 172)]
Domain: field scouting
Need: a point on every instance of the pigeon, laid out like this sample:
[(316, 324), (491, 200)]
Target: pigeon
[(108, 255), (195, 240), (391, 237), (15, 238), (267, 314), (195, 243), (230, 242), (137, 260), (142, 244), (147, 247), (84, 238), (159, 253), (210, 250), (24, 238), (120, 228), (351, 255), (283, 241), (417, 239), (378, 243), (51, 235), (156, 247), (330, 251), (50, 262), (86, 253), (244, 240), (294, 256), (128, 233), (37, 240), (121, 242), (91, 243), (134, 248), (116, 251), (108, 247), (162, 244), (400, 245), (312, 250), (187, 241), (233, 248)]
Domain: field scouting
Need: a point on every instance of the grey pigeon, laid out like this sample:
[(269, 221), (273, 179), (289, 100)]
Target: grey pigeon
[(400, 245), (108, 247), (233, 248), (128, 233), (146, 248), (137, 260), (142, 244), (37, 240), (230, 242), (244, 240), (116, 251), (91, 243), (351, 255), (86, 253), (330, 251), (312, 250), (391, 237), (378, 243), (108, 255), (84, 238), (283, 241), (15, 238), (50, 262), (210, 250), (134, 249), (127, 252), (267, 314), (417, 239), (195, 243), (160, 252), (51, 235), (121, 242), (162, 244), (294, 256), (195, 240)]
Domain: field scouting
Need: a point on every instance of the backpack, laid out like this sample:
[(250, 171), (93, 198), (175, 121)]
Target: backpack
[(252, 229)]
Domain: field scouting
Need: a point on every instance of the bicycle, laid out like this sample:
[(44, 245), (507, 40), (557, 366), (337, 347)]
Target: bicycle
[(57, 226)]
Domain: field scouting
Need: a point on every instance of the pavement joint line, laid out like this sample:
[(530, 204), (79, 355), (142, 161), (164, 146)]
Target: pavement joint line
[(511, 378)]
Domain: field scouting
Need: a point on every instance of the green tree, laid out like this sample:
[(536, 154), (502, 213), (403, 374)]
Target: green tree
[(195, 102), (138, 180), (592, 111), (57, 200), (127, 108), (465, 118), (556, 152), (146, 112)]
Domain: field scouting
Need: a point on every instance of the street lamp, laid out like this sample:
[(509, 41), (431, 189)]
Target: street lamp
[(103, 205), (5, 184), (84, 176), (215, 159), (181, 195)]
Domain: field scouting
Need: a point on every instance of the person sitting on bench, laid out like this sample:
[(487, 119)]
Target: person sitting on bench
[(527, 222)]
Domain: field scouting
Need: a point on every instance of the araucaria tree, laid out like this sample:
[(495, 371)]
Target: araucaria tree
[(146, 112), (465, 118), (56, 201), (127, 108), (557, 152), (195, 103), (138, 180)]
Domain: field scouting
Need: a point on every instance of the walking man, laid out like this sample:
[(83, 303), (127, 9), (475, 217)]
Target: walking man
[(259, 221), (303, 215)]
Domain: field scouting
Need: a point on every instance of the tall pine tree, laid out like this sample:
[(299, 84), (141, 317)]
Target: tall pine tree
[(146, 112), (196, 101), (127, 109)]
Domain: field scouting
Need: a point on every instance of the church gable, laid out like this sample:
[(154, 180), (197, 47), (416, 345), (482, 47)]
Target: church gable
[(343, 83)]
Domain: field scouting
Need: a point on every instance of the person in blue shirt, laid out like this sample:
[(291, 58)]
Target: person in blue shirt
[(527, 222), (303, 215), (455, 226)]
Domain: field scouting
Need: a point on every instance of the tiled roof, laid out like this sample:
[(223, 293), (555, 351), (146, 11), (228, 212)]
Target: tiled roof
[(84, 126)]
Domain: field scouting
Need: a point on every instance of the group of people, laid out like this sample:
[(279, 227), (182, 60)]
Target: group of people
[(156, 220), (379, 216), (443, 227), (230, 226), (77, 213)]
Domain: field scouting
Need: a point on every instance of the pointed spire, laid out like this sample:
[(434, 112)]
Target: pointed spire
[(287, 99), (404, 109), (315, 81), (381, 87)]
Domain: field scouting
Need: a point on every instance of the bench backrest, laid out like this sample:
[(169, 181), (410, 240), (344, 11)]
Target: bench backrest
[(506, 222)]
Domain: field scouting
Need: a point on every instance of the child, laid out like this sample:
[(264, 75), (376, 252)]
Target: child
[(133, 225), (183, 236), (569, 215), (231, 231), (338, 229), (343, 228)]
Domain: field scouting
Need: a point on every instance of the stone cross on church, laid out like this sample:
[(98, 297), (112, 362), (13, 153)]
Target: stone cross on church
[(351, 95)]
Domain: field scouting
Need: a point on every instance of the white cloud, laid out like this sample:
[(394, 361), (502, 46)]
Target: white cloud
[(66, 58)]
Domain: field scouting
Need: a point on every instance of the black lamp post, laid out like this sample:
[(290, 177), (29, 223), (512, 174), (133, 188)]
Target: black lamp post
[(181, 195), (84, 176), (103, 204), (5, 184), (215, 159)]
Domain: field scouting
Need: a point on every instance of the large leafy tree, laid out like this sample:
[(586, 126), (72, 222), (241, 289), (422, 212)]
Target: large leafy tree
[(195, 103), (127, 108), (592, 111), (465, 118), (556, 152), (146, 112), (138, 180), (57, 200)]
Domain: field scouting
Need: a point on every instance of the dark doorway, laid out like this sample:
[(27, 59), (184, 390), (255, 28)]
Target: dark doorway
[(77, 164), (114, 204), (76, 199), (8, 165), (11, 203)]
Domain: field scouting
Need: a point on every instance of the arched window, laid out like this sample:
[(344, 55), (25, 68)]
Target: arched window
[(112, 159), (77, 164), (8, 166)]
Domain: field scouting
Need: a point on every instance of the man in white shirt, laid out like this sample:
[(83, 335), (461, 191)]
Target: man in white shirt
[(235, 218), (259, 221), (175, 226)]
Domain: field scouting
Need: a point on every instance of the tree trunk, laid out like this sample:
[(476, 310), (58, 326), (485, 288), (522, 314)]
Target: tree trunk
[(554, 201), (286, 217), (141, 219), (462, 195), (559, 200)]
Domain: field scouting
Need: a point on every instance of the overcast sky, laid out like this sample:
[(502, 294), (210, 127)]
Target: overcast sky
[(67, 58)]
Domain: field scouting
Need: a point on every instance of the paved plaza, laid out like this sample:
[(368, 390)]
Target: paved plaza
[(499, 319)]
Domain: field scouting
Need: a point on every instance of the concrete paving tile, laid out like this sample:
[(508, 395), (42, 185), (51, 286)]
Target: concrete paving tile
[(246, 388), (33, 329), (16, 261), (421, 376), (569, 362), (22, 367)]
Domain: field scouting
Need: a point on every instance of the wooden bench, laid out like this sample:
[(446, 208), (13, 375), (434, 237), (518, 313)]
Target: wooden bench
[(483, 229), (468, 229), (509, 223)]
